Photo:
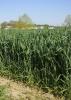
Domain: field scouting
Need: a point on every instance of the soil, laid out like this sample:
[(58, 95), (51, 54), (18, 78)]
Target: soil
[(19, 91)]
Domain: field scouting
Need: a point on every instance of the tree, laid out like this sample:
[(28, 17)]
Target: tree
[(4, 24), (25, 19), (67, 20)]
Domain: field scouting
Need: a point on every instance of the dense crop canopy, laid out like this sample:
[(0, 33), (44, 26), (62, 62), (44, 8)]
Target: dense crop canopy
[(41, 57)]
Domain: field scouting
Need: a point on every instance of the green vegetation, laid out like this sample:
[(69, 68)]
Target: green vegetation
[(24, 22), (3, 94), (38, 57), (25, 19)]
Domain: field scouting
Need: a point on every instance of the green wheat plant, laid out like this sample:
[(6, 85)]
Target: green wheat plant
[(38, 57)]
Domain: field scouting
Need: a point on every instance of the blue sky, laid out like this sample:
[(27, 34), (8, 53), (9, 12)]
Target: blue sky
[(41, 11)]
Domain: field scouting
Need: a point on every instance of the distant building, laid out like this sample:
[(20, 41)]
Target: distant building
[(7, 27), (40, 26), (51, 27)]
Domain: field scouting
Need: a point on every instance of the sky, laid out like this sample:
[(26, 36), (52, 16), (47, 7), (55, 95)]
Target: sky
[(52, 12)]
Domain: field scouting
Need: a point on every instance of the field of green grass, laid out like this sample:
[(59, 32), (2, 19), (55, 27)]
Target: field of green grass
[(38, 57)]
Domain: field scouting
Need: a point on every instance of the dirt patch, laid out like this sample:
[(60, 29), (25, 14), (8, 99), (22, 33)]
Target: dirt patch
[(18, 91)]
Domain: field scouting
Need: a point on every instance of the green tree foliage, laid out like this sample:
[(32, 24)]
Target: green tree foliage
[(4, 24), (67, 20), (25, 19)]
